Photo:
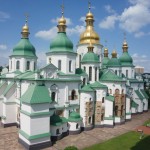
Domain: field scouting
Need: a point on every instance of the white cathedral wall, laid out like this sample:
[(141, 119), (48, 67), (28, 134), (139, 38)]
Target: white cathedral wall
[(145, 104), (1, 106), (108, 108), (128, 108), (82, 49), (9, 111), (65, 58), (72, 126), (130, 71), (85, 97), (54, 128)]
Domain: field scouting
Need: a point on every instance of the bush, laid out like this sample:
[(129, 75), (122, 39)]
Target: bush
[(71, 148)]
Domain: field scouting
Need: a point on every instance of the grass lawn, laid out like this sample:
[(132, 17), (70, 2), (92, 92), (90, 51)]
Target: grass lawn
[(146, 122), (127, 141)]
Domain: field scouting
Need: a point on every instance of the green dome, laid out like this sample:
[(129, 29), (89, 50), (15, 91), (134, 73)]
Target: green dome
[(114, 62), (105, 62), (74, 117), (126, 59), (90, 57), (25, 48), (55, 120), (61, 43)]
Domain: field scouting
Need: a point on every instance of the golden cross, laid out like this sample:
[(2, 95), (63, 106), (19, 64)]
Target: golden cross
[(89, 5), (62, 9), (27, 16)]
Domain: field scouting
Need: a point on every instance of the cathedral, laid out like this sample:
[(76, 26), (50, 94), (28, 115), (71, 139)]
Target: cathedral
[(76, 91)]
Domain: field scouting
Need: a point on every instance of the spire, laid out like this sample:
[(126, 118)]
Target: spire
[(25, 29), (114, 54), (90, 47), (125, 44), (62, 21)]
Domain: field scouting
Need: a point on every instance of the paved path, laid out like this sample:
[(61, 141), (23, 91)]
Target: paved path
[(9, 136)]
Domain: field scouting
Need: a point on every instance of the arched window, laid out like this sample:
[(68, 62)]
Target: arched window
[(122, 110), (102, 117), (96, 74), (53, 96), (28, 65), (73, 94), (127, 73), (10, 64), (122, 91), (90, 73), (110, 91), (116, 110), (84, 68), (79, 61), (117, 91), (70, 63), (34, 66), (90, 120), (116, 72), (77, 126), (84, 81), (57, 131), (59, 64), (18, 64), (103, 100)]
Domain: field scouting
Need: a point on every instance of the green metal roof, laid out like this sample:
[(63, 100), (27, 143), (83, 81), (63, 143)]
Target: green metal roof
[(133, 104), (74, 117), (135, 80), (90, 57), (114, 62), (61, 43), (26, 75), (36, 94), (49, 66), (109, 75), (126, 59), (87, 88), (56, 120), (97, 84), (139, 94), (105, 62), (9, 86), (24, 48), (110, 98), (80, 71), (144, 94), (1, 84)]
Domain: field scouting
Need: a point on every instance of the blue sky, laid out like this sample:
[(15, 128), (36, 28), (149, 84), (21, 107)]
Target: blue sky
[(112, 19)]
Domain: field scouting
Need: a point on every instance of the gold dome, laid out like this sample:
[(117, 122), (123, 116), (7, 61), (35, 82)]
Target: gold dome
[(125, 46), (89, 35), (62, 21), (106, 52), (114, 54), (25, 31)]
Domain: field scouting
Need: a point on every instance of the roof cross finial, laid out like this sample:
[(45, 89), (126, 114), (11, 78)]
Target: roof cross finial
[(27, 16), (89, 3), (62, 9)]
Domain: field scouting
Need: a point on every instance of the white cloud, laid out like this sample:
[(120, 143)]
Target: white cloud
[(4, 16), (47, 34), (76, 30), (133, 19), (109, 9), (141, 60), (3, 47), (68, 21), (108, 22)]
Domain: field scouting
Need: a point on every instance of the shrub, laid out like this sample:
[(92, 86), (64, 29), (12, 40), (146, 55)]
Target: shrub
[(71, 148)]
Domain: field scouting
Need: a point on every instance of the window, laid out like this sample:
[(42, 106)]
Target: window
[(10, 64), (96, 74), (116, 72), (53, 96), (84, 68), (34, 66), (122, 110), (110, 91), (127, 73), (102, 117), (70, 63), (73, 94), (57, 131), (18, 64), (84, 81), (89, 120), (116, 110), (103, 100), (79, 61), (122, 91), (90, 73), (117, 91), (77, 126), (59, 64), (28, 65)]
